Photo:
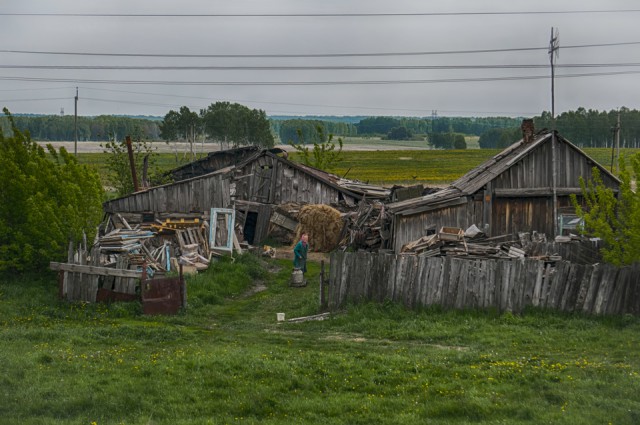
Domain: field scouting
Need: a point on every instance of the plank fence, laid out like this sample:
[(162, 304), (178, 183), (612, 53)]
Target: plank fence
[(506, 285), (82, 279)]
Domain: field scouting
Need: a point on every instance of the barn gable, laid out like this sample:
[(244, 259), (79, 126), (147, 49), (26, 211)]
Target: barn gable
[(510, 193)]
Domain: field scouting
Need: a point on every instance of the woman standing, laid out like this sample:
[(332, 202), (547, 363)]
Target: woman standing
[(300, 253)]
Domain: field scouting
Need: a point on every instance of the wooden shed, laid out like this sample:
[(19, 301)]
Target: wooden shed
[(196, 194), (267, 179), (510, 193), (250, 180)]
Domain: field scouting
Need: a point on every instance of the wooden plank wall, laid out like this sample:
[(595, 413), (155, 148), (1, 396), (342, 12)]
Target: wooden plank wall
[(78, 286), (287, 184), (412, 227), (507, 285), (198, 194)]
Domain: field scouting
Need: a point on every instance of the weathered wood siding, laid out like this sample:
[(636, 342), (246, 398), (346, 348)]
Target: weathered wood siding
[(199, 194), (410, 228), (507, 285), (272, 181), (529, 208)]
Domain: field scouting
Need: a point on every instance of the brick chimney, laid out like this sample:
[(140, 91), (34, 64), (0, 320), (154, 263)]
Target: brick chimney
[(527, 130)]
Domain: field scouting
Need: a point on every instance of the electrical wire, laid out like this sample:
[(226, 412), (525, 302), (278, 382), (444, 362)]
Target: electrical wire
[(318, 15), (316, 55), (310, 83), (312, 68)]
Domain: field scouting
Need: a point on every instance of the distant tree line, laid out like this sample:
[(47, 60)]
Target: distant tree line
[(99, 128), (234, 124), (464, 125), (593, 128), (303, 130)]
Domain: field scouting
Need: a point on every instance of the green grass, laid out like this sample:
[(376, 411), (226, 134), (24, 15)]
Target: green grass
[(388, 167), (227, 360)]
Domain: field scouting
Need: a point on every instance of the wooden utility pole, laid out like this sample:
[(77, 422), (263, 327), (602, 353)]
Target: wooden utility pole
[(553, 53), (618, 145), (615, 143), (132, 164), (75, 125)]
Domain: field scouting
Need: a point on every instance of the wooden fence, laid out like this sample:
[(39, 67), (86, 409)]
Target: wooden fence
[(507, 285), (81, 279)]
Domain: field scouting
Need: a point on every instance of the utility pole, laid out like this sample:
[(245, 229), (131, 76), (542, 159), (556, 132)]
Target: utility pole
[(553, 53), (618, 144), (75, 125), (615, 143)]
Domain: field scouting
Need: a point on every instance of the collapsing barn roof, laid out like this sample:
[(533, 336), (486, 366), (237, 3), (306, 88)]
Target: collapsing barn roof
[(478, 177)]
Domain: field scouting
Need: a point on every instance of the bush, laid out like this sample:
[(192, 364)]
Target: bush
[(45, 200)]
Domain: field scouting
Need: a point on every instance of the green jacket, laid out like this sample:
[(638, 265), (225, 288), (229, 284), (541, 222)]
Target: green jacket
[(300, 256)]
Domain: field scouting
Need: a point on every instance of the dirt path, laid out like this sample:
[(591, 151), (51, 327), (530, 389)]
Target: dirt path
[(287, 253)]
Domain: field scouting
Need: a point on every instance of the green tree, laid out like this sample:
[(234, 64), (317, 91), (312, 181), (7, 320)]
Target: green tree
[(236, 124), (399, 133), (615, 220), (45, 200), (459, 142), (324, 155), (118, 164)]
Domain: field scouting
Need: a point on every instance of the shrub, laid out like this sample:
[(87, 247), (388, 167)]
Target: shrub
[(45, 200)]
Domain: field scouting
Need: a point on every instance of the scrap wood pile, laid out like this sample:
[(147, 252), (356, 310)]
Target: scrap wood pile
[(160, 245), (367, 228), (453, 241), (284, 223)]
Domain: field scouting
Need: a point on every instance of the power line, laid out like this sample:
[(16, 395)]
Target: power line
[(318, 15), (314, 55), (34, 100), (312, 67), (296, 104), (311, 83)]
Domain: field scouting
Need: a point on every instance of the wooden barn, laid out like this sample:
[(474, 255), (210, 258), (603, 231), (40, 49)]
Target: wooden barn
[(252, 181), (518, 190)]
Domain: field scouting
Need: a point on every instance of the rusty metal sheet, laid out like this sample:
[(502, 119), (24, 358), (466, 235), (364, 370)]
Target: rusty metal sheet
[(107, 295), (162, 296)]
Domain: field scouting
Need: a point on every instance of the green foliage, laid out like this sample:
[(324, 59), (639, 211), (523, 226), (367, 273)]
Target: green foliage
[(377, 125), (459, 142), (287, 130), (118, 165), (238, 125), (447, 141), (616, 220), (324, 155), (180, 124), (400, 133), (100, 128), (592, 128), (499, 138), (45, 200)]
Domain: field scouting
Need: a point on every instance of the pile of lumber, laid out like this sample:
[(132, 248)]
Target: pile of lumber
[(161, 245), (367, 228), (453, 241), (121, 240)]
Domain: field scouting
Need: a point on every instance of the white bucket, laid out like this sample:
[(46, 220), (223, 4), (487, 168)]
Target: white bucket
[(280, 317), (297, 278)]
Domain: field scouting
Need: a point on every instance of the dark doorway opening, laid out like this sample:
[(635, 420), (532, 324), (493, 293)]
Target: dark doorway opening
[(250, 224)]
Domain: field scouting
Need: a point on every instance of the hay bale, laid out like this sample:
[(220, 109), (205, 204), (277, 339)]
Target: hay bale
[(323, 224)]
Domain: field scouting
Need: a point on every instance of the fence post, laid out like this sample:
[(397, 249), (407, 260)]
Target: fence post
[(323, 299)]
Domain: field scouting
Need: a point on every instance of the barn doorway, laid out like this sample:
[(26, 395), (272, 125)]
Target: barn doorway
[(249, 230)]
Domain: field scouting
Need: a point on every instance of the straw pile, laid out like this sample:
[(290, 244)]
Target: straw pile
[(323, 224)]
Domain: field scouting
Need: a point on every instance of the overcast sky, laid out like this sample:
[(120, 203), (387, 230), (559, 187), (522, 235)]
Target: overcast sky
[(394, 34)]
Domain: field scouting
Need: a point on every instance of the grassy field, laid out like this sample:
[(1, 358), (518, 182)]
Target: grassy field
[(226, 360), (388, 167)]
